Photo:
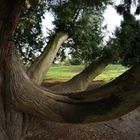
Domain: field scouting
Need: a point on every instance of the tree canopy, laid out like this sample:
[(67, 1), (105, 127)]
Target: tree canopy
[(125, 44), (28, 36), (74, 18)]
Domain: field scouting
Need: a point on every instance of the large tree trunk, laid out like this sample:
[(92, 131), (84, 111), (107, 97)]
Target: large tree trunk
[(41, 65), (82, 80), (10, 120)]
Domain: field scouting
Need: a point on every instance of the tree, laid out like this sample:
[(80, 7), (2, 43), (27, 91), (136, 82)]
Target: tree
[(76, 23), (126, 42), (20, 97), (28, 35), (86, 34), (41, 65), (81, 81)]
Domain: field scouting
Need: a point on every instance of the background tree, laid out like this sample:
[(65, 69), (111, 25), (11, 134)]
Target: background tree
[(28, 36), (126, 41), (73, 18), (86, 42)]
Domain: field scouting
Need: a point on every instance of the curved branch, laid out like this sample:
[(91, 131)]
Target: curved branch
[(124, 83), (46, 105), (41, 65), (82, 80)]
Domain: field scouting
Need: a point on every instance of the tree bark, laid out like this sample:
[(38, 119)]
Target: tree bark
[(27, 97), (10, 120), (61, 108), (82, 80), (18, 94), (41, 65)]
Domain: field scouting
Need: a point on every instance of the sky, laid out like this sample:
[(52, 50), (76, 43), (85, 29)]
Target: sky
[(111, 19), (47, 23)]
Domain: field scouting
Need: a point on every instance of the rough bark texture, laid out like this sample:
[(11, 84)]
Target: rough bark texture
[(41, 65), (10, 120), (81, 81), (46, 105)]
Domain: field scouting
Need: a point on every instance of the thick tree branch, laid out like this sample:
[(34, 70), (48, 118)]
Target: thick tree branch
[(84, 109), (46, 105), (82, 80), (125, 82), (41, 65)]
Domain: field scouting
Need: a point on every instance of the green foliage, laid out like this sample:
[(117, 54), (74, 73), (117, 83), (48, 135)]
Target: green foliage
[(68, 12), (28, 36), (66, 62), (85, 37), (75, 61), (68, 17), (126, 43), (125, 7), (83, 21)]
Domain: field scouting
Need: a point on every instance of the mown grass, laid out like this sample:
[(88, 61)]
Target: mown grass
[(63, 72), (111, 72), (67, 72)]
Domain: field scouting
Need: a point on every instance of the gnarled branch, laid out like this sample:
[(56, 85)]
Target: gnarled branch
[(46, 105), (41, 65), (82, 80)]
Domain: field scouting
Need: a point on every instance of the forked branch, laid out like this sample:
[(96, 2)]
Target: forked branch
[(82, 80), (46, 105)]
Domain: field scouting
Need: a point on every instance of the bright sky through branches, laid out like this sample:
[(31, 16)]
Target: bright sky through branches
[(112, 19)]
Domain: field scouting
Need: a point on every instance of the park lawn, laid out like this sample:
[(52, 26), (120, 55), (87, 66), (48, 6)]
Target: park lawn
[(111, 72), (63, 72), (67, 72)]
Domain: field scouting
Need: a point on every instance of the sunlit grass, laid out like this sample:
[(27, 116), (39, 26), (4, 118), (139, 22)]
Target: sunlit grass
[(67, 72), (111, 72), (63, 72)]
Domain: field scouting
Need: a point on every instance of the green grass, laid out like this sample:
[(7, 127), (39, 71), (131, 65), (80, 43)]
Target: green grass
[(63, 72), (67, 72), (111, 72)]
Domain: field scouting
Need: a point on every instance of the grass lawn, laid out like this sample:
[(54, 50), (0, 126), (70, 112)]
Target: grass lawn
[(67, 72)]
